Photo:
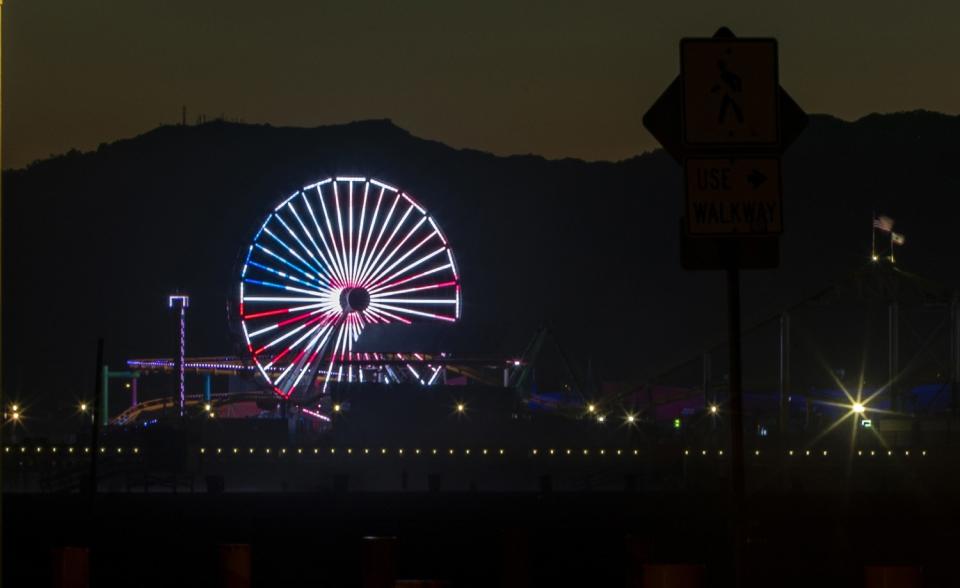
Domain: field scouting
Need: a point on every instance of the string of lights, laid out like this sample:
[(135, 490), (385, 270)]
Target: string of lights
[(434, 451)]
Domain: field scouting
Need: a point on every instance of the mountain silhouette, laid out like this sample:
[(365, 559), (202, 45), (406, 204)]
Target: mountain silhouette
[(95, 242)]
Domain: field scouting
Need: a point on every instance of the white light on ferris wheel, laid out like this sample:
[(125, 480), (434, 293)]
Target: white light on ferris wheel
[(341, 254)]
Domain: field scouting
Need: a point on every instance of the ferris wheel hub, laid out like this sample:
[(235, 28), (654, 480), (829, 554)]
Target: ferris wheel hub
[(354, 299)]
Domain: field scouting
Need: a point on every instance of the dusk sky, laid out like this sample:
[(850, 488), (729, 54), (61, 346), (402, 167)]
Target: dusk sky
[(556, 78)]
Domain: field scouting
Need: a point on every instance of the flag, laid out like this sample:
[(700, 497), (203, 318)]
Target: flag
[(897, 238), (884, 223)]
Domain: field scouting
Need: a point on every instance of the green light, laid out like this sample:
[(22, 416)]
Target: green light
[(866, 423), (676, 423)]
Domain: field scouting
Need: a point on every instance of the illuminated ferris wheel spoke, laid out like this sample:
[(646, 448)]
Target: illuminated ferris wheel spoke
[(262, 331), (319, 330), (350, 231), (295, 237), (341, 279), (289, 264), (373, 223), (400, 247), (311, 364), (359, 239), (383, 227), (333, 359), (288, 334), (284, 275), (291, 251), (379, 311), (375, 289), (337, 258), (381, 306), (299, 241), (379, 295), (304, 364), (411, 266), (416, 301), (372, 318), (282, 299), (381, 249), (343, 245), (386, 245), (278, 311), (363, 214), (317, 293), (300, 317), (297, 362), (323, 259)]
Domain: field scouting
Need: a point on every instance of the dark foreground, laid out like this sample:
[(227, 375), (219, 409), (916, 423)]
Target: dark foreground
[(480, 539)]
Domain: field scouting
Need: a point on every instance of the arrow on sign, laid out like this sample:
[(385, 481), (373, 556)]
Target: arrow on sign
[(756, 178)]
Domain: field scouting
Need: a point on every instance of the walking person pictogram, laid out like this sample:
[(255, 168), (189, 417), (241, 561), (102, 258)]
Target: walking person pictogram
[(730, 83)]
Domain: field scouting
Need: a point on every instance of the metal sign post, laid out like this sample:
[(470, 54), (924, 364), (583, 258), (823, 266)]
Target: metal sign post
[(726, 120)]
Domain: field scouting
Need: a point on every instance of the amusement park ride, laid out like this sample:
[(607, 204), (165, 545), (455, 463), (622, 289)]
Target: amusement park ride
[(329, 262)]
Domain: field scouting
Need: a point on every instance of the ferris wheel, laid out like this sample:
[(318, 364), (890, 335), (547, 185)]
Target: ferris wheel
[(330, 260)]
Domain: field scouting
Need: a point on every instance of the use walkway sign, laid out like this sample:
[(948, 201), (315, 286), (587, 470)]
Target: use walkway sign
[(726, 120), (733, 196), (730, 92)]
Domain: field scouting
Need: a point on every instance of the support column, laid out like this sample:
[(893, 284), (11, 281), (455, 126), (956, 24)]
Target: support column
[(708, 398), (955, 355), (206, 388), (784, 373), (133, 391), (181, 303), (104, 396), (893, 351)]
